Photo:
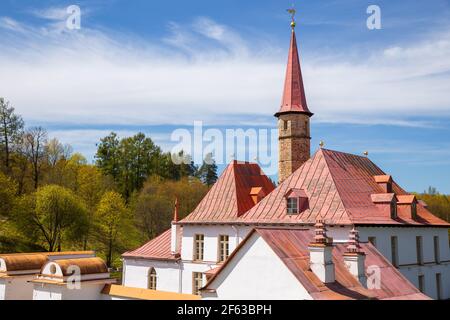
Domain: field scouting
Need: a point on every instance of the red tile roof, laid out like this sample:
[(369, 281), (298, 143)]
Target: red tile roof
[(340, 188), (291, 246), (230, 196), (294, 97), (158, 248)]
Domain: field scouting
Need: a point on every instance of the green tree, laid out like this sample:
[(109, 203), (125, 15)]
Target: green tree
[(153, 206), (11, 128), (52, 215), (208, 171), (33, 148), (113, 223), (108, 155), (8, 190)]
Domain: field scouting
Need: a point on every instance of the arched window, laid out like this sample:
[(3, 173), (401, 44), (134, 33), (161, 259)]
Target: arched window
[(152, 279)]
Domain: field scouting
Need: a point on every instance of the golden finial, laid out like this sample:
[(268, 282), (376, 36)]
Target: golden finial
[(292, 11), (321, 144)]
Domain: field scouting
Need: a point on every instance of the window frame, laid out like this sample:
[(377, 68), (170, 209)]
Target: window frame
[(419, 250), (372, 240), (197, 282), (421, 280), (152, 279), (437, 250), (199, 247), (439, 285), (394, 251), (289, 208), (223, 250)]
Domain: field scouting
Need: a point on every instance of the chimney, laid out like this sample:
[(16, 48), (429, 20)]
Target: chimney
[(385, 182), (321, 254), (174, 239), (354, 258)]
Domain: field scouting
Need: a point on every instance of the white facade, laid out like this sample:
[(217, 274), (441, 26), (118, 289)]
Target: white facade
[(256, 274), (16, 287), (43, 291), (178, 276)]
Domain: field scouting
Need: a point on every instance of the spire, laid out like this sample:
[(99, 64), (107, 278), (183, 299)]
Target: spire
[(175, 213), (294, 98)]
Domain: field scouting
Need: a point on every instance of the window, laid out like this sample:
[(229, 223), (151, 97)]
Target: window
[(394, 209), (414, 210), (437, 256), (285, 124), (197, 282), (373, 241), (199, 243), (224, 248), (422, 283), (152, 279), (394, 250), (439, 286), (292, 205), (419, 250)]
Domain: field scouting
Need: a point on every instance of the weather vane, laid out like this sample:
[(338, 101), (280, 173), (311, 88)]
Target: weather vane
[(292, 11)]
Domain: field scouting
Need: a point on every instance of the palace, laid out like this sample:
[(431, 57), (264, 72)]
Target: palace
[(336, 227)]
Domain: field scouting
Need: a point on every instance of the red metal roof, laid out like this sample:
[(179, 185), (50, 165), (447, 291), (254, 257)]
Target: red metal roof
[(291, 246), (230, 196), (294, 98), (158, 248), (340, 188)]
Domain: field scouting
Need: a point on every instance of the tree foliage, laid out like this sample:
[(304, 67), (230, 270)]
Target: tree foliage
[(53, 215), (11, 127)]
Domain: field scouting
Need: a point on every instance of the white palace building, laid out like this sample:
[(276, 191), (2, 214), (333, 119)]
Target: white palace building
[(336, 227)]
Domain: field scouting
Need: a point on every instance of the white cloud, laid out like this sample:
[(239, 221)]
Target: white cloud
[(207, 71)]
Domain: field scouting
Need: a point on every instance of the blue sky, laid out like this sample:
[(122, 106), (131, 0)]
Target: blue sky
[(155, 66)]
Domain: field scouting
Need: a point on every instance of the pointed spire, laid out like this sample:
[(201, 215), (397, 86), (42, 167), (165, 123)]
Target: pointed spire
[(294, 98), (175, 213)]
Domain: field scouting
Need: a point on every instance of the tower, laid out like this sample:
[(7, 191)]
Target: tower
[(294, 117)]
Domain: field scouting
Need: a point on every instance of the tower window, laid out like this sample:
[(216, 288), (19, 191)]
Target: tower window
[(152, 279), (285, 124), (197, 282), (199, 245), (224, 247)]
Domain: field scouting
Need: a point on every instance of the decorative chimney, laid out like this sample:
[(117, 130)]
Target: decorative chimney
[(321, 254), (174, 239), (385, 182), (354, 258)]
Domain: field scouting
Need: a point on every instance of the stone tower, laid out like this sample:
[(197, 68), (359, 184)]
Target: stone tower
[(293, 118)]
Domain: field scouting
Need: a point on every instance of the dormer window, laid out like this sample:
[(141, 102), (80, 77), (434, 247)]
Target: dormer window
[(296, 201), (292, 206), (385, 182), (394, 211)]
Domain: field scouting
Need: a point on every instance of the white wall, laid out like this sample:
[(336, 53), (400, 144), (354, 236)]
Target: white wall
[(16, 288), (407, 254), (257, 273), (136, 274), (56, 292)]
